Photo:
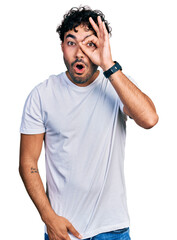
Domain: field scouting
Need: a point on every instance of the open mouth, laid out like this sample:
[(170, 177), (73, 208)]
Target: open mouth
[(79, 67)]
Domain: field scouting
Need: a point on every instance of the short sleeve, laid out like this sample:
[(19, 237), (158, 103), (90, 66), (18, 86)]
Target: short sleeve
[(32, 120)]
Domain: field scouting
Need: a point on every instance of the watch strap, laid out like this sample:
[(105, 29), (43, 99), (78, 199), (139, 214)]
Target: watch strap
[(116, 67)]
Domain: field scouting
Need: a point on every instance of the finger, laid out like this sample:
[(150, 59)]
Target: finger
[(64, 237), (100, 23), (106, 35), (85, 49), (73, 231), (89, 45), (68, 238), (92, 39), (94, 25)]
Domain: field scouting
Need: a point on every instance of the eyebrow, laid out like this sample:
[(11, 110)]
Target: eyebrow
[(71, 36), (74, 37)]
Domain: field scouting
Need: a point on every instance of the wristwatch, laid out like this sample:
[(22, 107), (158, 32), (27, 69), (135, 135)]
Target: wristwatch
[(116, 67)]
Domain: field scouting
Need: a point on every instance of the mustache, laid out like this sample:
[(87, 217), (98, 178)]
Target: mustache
[(78, 61)]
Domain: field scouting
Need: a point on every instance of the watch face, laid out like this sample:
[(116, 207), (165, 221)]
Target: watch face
[(113, 69)]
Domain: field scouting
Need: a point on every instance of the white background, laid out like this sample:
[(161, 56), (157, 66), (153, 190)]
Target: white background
[(144, 43)]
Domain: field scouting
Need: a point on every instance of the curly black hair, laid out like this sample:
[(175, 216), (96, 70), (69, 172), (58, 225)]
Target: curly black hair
[(80, 16)]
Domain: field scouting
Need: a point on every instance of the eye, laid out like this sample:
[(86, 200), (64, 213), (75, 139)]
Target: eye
[(91, 44), (70, 43)]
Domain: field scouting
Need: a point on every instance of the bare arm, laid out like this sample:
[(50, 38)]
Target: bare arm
[(137, 105), (30, 149)]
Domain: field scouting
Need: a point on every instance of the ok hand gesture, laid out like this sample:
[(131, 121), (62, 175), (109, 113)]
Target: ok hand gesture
[(101, 55)]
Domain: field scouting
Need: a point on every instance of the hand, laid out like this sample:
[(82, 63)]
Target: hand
[(101, 53), (58, 229)]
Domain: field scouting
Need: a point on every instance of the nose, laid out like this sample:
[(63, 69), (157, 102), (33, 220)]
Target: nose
[(79, 53)]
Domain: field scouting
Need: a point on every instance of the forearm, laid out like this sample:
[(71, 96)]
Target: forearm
[(34, 186), (136, 104)]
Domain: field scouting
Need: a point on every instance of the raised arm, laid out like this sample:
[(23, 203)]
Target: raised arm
[(30, 149), (136, 104)]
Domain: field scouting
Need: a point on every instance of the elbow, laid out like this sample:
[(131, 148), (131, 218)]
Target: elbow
[(151, 121), (20, 170)]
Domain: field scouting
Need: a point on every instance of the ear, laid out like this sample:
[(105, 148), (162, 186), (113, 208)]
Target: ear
[(62, 43)]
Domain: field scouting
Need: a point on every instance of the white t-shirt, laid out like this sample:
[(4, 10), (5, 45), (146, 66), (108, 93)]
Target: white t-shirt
[(85, 130)]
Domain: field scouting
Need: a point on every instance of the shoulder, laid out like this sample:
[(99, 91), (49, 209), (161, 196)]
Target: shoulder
[(51, 81), (48, 85), (43, 89)]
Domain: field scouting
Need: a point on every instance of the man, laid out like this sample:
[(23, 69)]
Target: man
[(81, 116)]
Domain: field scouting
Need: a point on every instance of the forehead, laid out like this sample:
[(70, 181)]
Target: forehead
[(82, 32)]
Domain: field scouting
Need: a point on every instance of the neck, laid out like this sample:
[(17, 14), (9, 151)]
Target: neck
[(89, 81)]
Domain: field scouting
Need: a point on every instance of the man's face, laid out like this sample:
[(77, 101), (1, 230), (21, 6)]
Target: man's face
[(80, 69)]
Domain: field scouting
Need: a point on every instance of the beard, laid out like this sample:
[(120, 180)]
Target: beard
[(78, 78)]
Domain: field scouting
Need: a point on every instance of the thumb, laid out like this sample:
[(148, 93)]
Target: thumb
[(74, 231)]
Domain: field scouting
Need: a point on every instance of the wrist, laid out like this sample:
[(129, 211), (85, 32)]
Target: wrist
[(47, 215), (115, 68), (107, 65)]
